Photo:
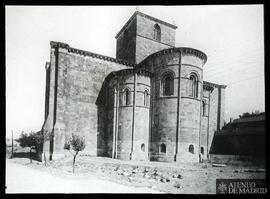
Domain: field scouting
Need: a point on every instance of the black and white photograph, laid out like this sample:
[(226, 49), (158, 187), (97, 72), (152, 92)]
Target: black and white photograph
[(135, 99)]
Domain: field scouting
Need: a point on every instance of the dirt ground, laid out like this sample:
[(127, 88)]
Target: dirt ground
[(23, 179), (188, 178)]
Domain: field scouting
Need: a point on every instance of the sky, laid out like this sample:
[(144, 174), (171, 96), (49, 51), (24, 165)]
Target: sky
[(232, 36)]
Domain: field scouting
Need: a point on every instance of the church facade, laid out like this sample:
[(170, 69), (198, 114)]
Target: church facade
[(149, 103)]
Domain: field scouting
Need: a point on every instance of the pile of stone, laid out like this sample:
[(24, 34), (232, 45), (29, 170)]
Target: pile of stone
[(177, 176), (148, 173), (122, 172)]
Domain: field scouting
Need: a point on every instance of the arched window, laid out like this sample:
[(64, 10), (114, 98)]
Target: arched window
[(127, 97), (163, 148), (167, 83), (191, 149), (157, 33), (202, 150), (194, 85), (146, 98), (143, 147)]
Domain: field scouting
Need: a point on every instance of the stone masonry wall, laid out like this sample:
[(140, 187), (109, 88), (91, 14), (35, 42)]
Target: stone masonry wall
[(124, 139), (139, 42), (189, 109), (127, 147), (126, 43), (145, 43), (48, 123), (85, 96), (80, 79), (212, 116), (141, 128), (164, 114), (222, 107), (146, 47), (111, 104), (145, 28), (204, 124)]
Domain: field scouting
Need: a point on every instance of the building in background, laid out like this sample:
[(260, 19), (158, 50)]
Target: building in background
[(149, 103), (246, 138)]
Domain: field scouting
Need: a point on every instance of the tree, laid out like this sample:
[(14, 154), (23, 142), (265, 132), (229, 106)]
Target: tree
[(77, 143), (253, 114), (33, 141)]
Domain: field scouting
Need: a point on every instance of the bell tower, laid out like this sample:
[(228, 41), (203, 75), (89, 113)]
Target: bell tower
[(142, 36)]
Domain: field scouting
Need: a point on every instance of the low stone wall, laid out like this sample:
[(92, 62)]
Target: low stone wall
[(234, 159), (233, 147), (248, 144)]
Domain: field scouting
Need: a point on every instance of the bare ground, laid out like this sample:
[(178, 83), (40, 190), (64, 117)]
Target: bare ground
[(188, 178)]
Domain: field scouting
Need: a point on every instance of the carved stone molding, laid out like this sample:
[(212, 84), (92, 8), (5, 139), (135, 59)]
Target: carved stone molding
[(209, 84), (183, 50), (87, 53), (130, 71)]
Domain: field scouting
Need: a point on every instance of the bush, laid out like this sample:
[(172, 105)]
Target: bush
[(34, 141)]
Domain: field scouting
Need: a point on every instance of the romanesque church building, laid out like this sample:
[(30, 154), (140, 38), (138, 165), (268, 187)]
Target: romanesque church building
[(150, 103)]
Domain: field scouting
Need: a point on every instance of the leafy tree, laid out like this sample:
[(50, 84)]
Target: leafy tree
[(77, 143), (257, 112), (33, 141), (247, 114)]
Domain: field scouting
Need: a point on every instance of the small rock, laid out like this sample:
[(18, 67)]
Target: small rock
[(130, 179), (204, 166), (220, 171), (124, 172), (152, 187), (179, 176), (162, 180), (119, 172), (235, 171), (146, 175), (177, 185), (154, 177), (145, 170), (134, 171), (168, 180), (155, 173)]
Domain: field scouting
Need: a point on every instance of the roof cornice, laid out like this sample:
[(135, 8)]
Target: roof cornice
[(183, 50), (87, 53), (130, 71), (205, 83)]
